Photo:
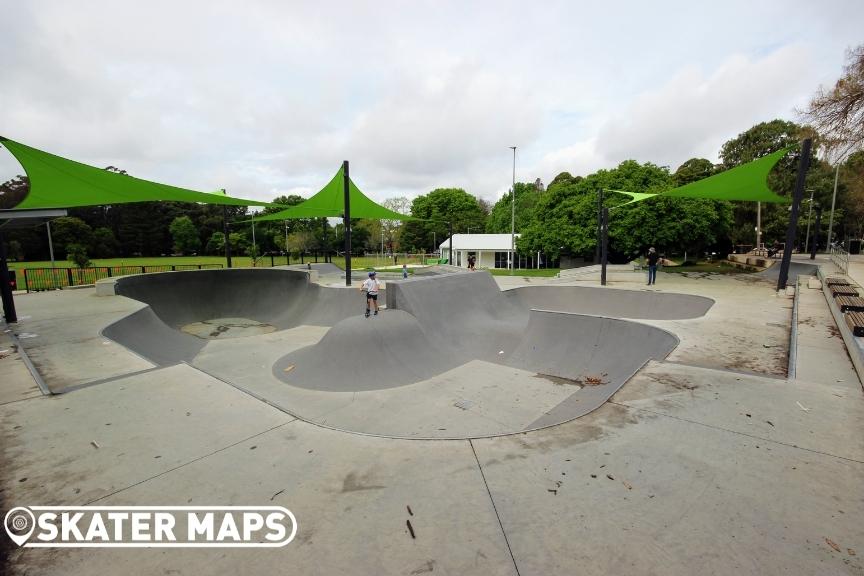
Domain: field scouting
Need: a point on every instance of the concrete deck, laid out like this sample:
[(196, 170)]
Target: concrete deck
[(710, 461)]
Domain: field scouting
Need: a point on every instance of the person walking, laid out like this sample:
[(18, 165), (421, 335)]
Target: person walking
[(404, 271), (471, 262), (371, 287), (653, 257)]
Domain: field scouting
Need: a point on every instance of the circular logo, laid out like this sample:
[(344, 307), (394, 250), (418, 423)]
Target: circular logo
[(19, 523)]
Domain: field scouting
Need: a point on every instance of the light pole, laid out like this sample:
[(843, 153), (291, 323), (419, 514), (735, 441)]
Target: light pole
[(286, 241), (513, 214), (833, 200), (809, 215)]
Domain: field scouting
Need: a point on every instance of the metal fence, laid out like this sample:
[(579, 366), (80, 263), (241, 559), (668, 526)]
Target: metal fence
[(840, 258), (38, 279)]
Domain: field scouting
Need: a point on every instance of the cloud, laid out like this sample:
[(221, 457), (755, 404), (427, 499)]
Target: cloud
[(270, 97), (694, 113)]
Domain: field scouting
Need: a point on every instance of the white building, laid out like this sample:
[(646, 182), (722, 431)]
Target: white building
[(490, 250)]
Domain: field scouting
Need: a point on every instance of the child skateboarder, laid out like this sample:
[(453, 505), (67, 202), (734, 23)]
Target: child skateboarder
[(371, 286)]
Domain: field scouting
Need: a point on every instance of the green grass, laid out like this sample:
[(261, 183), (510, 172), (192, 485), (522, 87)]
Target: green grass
[(152, 261)]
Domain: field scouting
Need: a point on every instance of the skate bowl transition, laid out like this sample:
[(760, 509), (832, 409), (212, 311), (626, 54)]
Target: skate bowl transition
[(451, 356)]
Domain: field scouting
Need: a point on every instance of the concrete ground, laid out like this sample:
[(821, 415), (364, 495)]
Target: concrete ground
[(711, 461)]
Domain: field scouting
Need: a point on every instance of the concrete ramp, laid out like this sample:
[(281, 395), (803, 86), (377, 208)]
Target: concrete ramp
[(795, 269), (359, 354), (281, 298), (637, 304)]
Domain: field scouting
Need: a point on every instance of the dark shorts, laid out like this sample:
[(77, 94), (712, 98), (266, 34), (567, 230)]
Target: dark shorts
[(372, 297)]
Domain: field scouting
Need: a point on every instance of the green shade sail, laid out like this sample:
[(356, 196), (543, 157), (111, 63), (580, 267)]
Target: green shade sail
[(56, 182), (748, 183), (329, 202), (634, 197), (745, 183)]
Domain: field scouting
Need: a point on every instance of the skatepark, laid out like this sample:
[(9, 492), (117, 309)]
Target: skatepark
[(521, 425)]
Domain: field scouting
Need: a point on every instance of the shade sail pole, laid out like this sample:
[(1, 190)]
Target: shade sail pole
[(6, 285), (803, 165), (346, 183), (227, 233)]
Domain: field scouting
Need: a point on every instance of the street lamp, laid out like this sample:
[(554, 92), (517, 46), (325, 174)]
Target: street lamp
[(513, 214), (809, 215)]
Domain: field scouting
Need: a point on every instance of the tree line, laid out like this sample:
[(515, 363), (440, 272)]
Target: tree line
[(557, 221)]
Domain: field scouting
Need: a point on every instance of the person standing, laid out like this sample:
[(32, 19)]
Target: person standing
[(371, 287), (652, 258), (404, 271), (471, 262)]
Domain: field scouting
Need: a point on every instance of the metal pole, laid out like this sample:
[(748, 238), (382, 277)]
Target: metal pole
[(604, 253), (254, 249), (286, 239), (450, 259), (803, 165), (227, 233), (346, 217), (599, 226), (758, 225), (809, 218), (815, 244), (50, 243), (513, 215), (6, 285), (833, 200)]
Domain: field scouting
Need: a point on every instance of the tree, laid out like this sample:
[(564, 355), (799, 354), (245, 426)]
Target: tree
[(760, 140), (105, 245), (693, 170), (435, 210), (14, 250), (852, 198), (300, 241), (838, 114), (13, 191), (70, 230), (393, 228), (185, 235), (501, 214), (565, 219), (216, 244), (77, 254)]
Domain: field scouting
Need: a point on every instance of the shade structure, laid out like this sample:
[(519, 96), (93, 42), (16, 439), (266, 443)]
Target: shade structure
[(745, 183), (57, 182), (748, 183), (330, 202), (634, 197)]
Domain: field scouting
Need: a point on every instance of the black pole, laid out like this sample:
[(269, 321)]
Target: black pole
[(451, 259), (803, 165), (6, 285), (604, 252), (226, 231), (814, 238), (346, 179), (599, 226)]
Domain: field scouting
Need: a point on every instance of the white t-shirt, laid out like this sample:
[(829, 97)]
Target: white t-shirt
[(371, 285)]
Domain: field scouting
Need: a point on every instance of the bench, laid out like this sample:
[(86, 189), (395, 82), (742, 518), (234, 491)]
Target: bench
[(855, 320), (850, 303), (841, 290), (834, 281)]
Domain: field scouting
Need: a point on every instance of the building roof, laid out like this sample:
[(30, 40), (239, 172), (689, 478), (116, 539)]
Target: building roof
[(497, 242)]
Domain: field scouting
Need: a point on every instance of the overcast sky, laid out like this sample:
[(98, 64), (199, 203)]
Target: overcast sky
[(268, 97)]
